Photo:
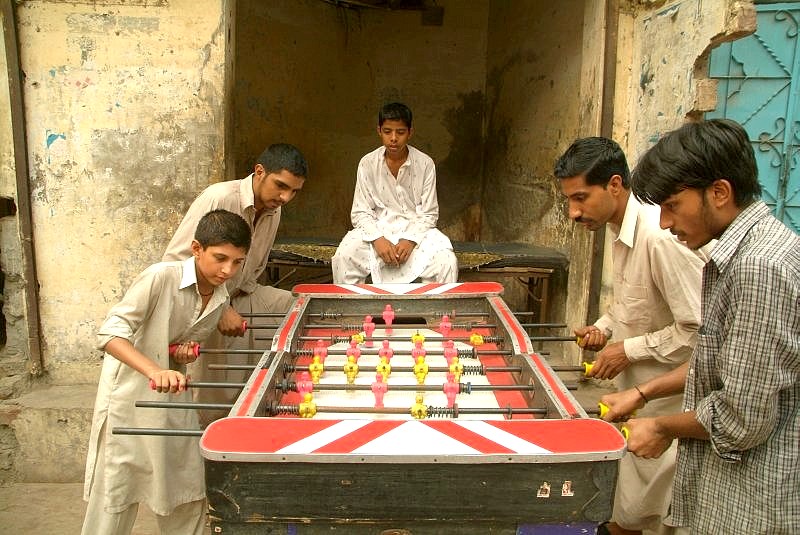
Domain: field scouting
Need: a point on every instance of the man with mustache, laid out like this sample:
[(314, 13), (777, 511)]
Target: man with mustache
[(738, 429), (394, 214), (652, 321), (278, 175)]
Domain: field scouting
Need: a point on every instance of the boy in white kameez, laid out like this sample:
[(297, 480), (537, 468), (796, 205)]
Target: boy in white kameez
[(174, 304), (394, 213)]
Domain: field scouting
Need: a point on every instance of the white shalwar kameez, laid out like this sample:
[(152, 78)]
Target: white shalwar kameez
[(162, 307), (405, 207)]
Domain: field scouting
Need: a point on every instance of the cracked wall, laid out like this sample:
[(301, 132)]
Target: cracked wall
[(124, 111)]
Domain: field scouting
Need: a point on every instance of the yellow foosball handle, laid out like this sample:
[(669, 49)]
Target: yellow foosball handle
[(603, 409), (625, 432), (580, 341), (587, 367)]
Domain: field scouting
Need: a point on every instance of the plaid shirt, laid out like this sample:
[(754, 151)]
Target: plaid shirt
[(744, 386)]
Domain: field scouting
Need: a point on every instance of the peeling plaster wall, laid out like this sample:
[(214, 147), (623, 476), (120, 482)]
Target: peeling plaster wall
[(124, 108), (315, 75), (667, 81)]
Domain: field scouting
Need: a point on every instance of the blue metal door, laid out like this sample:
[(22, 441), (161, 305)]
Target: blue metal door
[(759, 87)]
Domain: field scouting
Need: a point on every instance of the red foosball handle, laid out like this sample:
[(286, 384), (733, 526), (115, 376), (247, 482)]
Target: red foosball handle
[(174, 347)]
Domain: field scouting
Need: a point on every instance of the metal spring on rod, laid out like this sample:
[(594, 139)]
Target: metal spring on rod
[(284, 409), (443, 412)]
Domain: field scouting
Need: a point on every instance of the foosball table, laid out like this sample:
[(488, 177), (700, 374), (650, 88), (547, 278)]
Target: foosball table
[(419, 408)]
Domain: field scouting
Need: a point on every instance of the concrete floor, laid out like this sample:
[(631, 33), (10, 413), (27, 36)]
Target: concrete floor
[(45, 508)]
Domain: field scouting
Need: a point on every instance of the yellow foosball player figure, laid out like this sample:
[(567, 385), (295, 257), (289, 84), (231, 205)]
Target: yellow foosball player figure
[(417, 337), (351, 369), (418, 409), (307, 407), (457, 369), (384, 368), (421, 370), (315, 369), (475, 339)]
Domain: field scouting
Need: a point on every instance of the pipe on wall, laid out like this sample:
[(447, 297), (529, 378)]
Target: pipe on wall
[(24, 215)]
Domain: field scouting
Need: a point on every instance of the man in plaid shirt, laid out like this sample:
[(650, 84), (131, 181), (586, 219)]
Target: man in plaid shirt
[(739, 432)]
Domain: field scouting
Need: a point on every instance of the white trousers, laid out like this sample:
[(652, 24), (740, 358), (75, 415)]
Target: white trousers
[(186, 519), (644, 492), (355, 259)]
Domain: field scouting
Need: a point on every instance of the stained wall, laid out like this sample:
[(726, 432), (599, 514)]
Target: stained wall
[(124, 118)]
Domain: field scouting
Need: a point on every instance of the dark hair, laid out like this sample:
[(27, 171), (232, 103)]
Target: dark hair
[(694, 156), (282, 156), (219, 227), (395, 111), (596, 158)]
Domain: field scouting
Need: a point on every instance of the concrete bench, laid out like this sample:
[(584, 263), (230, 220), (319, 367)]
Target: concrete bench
[(302, 260)]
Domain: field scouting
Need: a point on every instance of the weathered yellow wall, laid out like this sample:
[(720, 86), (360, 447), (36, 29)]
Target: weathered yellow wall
[(315, 75), (664, 80), (124, 109), (534, 75)]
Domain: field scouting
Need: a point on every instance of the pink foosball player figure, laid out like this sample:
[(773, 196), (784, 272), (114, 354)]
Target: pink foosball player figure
[(445, 326), (369, 328), (449, 351), (379, 388), (418, 351), (388, 317), (321, 350), (353, 350), (386, 351), (451, 389), (304, 384)]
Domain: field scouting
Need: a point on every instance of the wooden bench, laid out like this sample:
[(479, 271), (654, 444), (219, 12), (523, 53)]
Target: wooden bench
[(301, 260)]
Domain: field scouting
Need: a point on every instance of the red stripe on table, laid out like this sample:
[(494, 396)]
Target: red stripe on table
[(259, 435), (374, 289), (288, 325), (423, 289), (581, 435), (320, 289), (251, 392), (555, 385), (467, 437), (478, 287), (363, 435)]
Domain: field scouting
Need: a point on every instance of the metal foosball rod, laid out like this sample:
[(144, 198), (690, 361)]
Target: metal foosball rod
[(455, 326), (462, 353), (345, 339), (155, 431), (339, 315), (463, 388), (202, 384), (432, 411), (184, 405), (244, 367), (490, 339), (468, 369)]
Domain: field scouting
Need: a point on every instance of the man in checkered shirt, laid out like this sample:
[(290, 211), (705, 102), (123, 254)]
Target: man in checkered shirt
[(739, 434)]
